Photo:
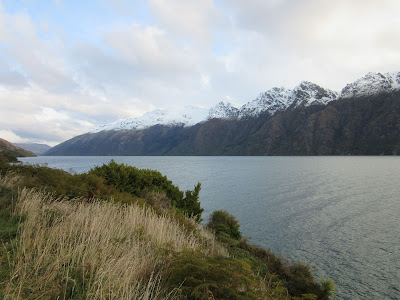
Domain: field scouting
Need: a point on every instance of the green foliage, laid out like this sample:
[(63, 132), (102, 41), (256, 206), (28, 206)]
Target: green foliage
[(300, 280), (8, 231), (5, 159), (7, 257), (60, 182), (138, 182), (134, 181), (8, 222), (213, 277), (190, 205), (225, 225), (328, 289)]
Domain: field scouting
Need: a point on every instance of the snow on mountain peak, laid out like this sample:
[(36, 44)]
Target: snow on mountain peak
[(308, 93), (223, 111), (270, 101), (276, 99), (184, 116), (372, 84)]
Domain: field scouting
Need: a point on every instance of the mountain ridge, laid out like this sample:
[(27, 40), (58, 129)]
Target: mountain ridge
[(271, 101), (307, 120), (36, 148)]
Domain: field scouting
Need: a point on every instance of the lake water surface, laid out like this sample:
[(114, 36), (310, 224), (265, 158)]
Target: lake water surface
[(339, 214)]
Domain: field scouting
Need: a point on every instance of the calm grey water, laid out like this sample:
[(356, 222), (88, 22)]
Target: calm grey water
[(339, 214)]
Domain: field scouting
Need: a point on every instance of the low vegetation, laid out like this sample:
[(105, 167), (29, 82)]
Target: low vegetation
[(117, 232)]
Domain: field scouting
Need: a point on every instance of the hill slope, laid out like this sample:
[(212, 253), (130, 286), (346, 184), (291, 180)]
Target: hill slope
[(10, 152)]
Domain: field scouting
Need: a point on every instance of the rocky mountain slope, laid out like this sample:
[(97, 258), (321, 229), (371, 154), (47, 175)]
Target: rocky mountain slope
[(276, 99), (307, 120)]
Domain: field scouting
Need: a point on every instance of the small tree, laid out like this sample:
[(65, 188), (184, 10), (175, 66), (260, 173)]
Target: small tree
[(191, 204)]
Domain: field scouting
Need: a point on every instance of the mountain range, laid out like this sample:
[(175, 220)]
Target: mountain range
[(362, 119), (36, 148)]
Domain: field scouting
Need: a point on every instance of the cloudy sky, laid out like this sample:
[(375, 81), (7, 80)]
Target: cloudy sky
[(67, 66)]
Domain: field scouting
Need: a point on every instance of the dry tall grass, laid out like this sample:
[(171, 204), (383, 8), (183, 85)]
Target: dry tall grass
[(95, 250), (10, 179)]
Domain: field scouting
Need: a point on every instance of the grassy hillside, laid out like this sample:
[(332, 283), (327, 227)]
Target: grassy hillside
[(117, 232)]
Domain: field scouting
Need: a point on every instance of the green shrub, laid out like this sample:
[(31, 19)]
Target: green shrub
[(213, 277), (190, 205), (225, 225), (300, 280), (8, 221), (328, 289), (8, 231), (140, 182)]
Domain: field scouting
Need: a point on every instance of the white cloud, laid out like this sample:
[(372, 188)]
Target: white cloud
[(205, 80), (150, 49), (10, 136), (191, 19), (49, 114), (39, 59), (10, 77)]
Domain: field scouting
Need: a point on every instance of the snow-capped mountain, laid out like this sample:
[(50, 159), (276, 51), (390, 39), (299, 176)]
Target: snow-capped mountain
[(184, 116), (372, 84), (300, 123), (271, 101), (306, 94), (223, 111), (276, 99)]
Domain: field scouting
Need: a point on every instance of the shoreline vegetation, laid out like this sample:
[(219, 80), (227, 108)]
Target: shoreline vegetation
[(118, 232)]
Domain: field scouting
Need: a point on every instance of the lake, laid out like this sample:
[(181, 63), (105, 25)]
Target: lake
[(339, 214)]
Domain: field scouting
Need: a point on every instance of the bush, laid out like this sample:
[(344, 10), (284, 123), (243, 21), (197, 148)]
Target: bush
[(139, 182), (328, 289), (213, 277), (225, 225), (190, 205)]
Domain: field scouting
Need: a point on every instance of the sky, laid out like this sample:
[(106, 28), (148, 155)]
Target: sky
[(67, 66)]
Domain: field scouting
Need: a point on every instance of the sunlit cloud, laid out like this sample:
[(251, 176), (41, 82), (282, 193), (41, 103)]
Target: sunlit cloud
[(10, 136)]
